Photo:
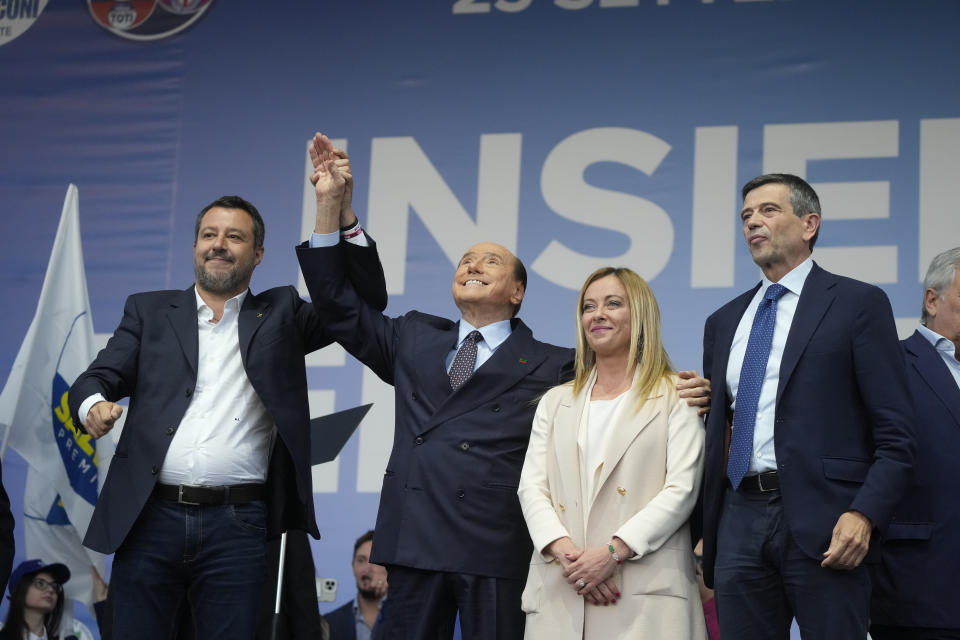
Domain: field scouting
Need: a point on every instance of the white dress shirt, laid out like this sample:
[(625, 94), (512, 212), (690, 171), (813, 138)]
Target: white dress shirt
[(226, 434), (764, 457), (945, 348)]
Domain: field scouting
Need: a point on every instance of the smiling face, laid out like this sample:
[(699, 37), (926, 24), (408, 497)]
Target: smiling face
[(41, 599), (605, 316), (224, 255), (778, 239), (485, 287)]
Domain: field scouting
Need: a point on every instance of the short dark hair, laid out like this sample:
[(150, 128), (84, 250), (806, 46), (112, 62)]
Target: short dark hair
[(520, 275), (235, 202), (803, 198), (367, 537)]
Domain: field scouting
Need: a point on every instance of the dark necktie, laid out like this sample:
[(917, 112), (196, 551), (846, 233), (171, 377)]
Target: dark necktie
[(752, 372), (462, 367)]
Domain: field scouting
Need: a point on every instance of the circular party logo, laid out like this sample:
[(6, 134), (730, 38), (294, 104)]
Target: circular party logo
[(16, 16), (146, 19)]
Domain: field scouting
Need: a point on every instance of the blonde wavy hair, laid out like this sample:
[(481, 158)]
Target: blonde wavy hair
[(646, 340)]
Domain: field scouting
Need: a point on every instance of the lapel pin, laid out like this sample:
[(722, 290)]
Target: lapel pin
[(562, 508), (621, 491), (523, 361), (259, 315)]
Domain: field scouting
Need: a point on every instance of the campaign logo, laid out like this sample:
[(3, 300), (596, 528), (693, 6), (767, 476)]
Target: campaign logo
[(146, 19), (16, 16), (78, 450)]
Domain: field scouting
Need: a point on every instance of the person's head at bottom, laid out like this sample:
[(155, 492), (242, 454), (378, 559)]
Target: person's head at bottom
[(36, 600)]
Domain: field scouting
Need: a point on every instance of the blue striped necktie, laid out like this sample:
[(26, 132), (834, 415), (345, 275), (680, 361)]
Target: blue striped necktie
[(752, 372)]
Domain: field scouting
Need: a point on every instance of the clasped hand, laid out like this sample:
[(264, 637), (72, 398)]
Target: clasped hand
[(594, 566)]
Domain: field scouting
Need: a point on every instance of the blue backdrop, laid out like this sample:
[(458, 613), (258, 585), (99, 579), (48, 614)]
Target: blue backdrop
[(577, 132)]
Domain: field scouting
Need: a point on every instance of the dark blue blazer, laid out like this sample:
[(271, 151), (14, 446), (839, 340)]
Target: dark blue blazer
[(449, 498), (152, 358), (843, 430), (342, 622), (915, 584)]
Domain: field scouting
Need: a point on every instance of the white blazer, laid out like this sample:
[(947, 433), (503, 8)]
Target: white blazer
[(646, 491)]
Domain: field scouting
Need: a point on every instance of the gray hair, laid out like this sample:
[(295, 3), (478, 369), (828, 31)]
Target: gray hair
[(803, 198), (940, 275)]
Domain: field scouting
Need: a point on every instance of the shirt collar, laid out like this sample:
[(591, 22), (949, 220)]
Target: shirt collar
[(233, 303), (938, 341), (493, 334), (793, 281)]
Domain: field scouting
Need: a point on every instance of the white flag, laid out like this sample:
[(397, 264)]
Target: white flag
[(58, 347), (50, 537)]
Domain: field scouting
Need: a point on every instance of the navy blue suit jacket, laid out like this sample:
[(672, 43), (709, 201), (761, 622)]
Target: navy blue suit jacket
[(342, 622), (843, 427), (449, 498), (915, 584), (152, 358)]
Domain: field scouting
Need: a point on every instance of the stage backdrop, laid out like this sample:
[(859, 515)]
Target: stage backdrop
[(578, 133)]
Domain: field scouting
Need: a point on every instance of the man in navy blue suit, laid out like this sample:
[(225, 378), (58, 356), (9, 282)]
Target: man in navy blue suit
[(915, 593), (809, 440), (215, 451)]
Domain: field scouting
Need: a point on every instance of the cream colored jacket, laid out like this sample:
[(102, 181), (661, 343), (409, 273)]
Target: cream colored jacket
[(644, 494)]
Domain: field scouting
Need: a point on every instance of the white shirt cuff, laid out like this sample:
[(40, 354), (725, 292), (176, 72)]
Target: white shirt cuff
[(86, 404)]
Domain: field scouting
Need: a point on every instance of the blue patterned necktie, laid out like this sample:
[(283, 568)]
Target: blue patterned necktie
[(462, 367), (752, 372)]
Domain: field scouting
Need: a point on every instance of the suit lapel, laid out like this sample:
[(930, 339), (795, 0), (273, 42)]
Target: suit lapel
[(183, 320), (253, 313), (432, 349), (930, 365), (511, 362), (815, 299), (626, 426)]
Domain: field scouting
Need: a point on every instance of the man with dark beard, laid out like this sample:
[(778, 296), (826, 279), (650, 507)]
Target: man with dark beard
[(356, 620), (215, 452)]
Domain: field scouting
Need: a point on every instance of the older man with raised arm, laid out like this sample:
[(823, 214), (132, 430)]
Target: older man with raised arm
[(449, 528), (809, 438)]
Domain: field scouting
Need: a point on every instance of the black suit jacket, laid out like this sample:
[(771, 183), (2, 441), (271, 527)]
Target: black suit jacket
[(449, 498), (915, 584), (152, 358), (843, 430)]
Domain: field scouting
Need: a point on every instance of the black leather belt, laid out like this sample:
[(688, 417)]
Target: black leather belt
[(762, 483), (210, 496)]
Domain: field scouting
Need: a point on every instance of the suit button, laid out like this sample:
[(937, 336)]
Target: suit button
[(461, 494), (413, 395), (418, 440), (154, 469), (495, 408), (170, 431), (187, 393), (464, 445)]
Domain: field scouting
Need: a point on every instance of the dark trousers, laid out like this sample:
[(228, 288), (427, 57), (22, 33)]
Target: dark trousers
[(763, 579), (423, 605), (882, 632), (208, 558)]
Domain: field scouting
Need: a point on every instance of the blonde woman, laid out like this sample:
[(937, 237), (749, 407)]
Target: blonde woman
[(609, 480)]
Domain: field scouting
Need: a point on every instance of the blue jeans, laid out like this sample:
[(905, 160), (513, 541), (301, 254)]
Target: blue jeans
[(209, 558), (762, 579)]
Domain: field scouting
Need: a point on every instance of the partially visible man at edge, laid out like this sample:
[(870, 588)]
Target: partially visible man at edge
[(214, 455), (449, 527), (916, 592)]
